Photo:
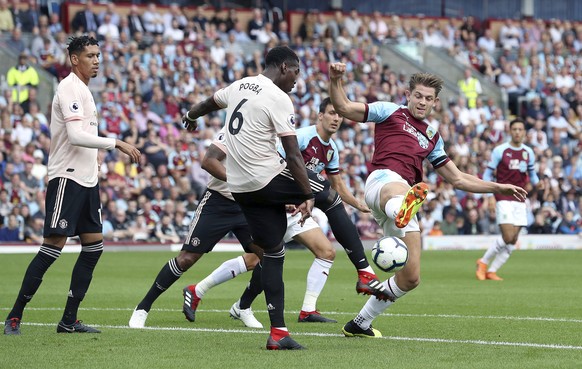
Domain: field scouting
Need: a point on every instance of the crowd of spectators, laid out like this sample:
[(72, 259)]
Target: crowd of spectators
[(156, 64)]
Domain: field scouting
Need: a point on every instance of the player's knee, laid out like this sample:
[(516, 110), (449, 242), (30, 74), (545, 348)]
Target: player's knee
[(327, 200), (251, 260), (272, 250), (187, 259), (327, 253), (509, 238)]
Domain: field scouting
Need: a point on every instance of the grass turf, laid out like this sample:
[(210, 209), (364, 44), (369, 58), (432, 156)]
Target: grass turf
[(532, 319)]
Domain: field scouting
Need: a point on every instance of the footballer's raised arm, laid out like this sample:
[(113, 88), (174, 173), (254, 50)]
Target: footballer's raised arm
[(355, 111)]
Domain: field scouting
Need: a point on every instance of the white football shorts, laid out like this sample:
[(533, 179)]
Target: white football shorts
[(294, 228), (511, 212), (376, 180)]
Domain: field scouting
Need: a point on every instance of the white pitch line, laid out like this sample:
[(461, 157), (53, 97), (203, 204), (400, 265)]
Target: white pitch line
[(443, 316), (314, 334)]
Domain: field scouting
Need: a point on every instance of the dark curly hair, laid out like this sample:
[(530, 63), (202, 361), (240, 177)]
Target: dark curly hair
[(78, 44), (279, 55)]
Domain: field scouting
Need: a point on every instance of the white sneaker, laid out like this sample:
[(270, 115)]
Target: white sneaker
[(138, 318), (244, 315)]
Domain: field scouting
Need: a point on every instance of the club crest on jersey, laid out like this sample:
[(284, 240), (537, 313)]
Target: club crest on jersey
[(329, 155), (524, 154), (430, 132), (75, 106), (422, 141), (63, 223), (195, 241), (291, 120)]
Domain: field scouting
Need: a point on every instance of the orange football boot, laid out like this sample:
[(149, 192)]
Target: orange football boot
[(411, 204), (481, 270), (493, 276)]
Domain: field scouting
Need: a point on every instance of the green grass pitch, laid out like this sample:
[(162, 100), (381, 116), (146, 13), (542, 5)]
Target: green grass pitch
[(533, 319)]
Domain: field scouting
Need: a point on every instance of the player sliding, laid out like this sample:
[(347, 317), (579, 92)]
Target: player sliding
[(394, 190)]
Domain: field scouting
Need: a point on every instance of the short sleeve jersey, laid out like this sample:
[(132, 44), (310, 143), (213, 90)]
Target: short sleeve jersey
[(513, 165), (73, 104), (402, 142), (214, 183), (257, 112), (317, 154)]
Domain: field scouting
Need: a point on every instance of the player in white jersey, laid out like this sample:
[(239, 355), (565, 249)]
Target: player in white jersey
[(258, 111), (72, 199)]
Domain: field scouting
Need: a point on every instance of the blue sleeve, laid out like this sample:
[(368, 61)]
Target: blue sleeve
[(438, 155), (493, 163), (533, 176), (333, 165), (379, 111), (303, 138), (280, 149)]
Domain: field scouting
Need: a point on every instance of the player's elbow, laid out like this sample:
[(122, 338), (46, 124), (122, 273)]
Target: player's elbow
[(75, 140)]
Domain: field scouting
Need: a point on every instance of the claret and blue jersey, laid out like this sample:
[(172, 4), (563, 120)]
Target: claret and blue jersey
[(514, 165), (402, 142), (317, 154)]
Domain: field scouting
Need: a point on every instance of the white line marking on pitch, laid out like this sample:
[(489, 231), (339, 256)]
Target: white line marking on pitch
[(394, 338), (446, 316)]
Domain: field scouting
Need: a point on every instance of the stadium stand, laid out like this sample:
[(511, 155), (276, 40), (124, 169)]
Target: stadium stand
[(156, 62)]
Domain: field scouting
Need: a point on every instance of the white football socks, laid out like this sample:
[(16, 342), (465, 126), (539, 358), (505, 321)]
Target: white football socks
[(225, 272), (501, 258), (393, 206), (493, 250), (316, 278), (374, 307)]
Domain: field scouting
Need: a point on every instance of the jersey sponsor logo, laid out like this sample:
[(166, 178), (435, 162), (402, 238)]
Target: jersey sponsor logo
[(75, 106), (291, 120), (63, 223), (313, 165)]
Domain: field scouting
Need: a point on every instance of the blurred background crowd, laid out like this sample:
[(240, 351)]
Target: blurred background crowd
[(157, 62)]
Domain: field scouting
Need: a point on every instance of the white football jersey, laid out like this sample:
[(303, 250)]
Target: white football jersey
[(214, 183), (73, 104), (257, 112)]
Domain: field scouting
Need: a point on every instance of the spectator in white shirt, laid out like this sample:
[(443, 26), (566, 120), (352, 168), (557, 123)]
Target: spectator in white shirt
[(486, 42), (153, 20), (174, 32), (378, 27), (353, 23), (509, 35), (432, 37), (108, 29)]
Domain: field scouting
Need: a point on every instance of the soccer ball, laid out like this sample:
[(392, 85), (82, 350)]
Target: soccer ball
[(390, 254)]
